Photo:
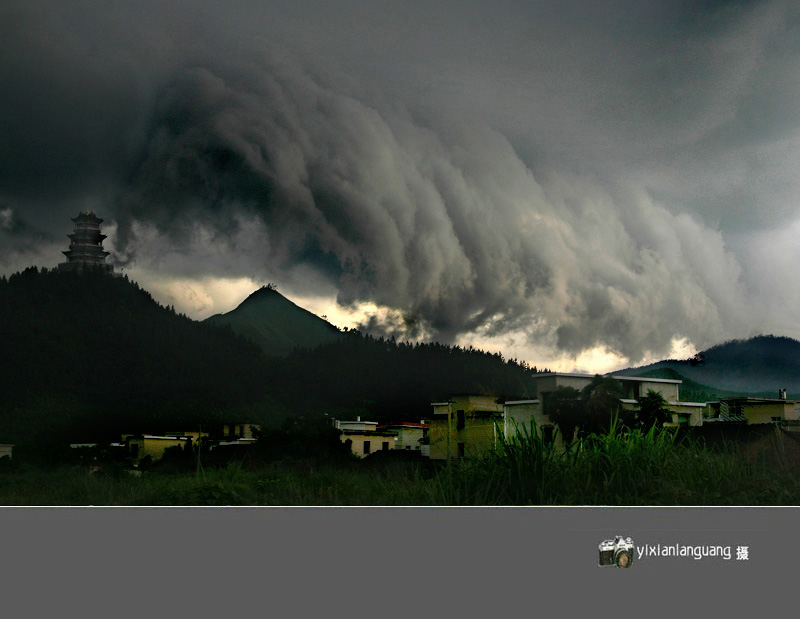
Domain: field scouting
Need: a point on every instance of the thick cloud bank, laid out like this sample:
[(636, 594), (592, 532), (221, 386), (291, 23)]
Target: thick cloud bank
[(449, 226), (214, 146)]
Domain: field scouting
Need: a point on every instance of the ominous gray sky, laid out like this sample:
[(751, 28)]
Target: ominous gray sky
[(576, 183)]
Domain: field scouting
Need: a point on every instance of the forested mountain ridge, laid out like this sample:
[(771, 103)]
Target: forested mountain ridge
[(399, 380), (762, 364), (96, 353)]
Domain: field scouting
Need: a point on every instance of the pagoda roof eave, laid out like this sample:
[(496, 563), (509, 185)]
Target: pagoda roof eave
[(92, 233), (88, 216)]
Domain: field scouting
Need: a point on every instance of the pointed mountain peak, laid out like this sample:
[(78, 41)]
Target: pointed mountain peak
[(265, 292), (269, 289), (277, 324)]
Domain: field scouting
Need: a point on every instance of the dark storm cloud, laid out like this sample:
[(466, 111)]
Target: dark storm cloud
[(480, 169), (448, 225)]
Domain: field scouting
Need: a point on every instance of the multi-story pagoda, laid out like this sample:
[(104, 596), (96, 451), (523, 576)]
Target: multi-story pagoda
[(86, 245)]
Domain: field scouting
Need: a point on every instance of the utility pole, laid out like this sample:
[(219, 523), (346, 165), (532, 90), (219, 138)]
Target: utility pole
[(449, 429), (449, 433), (199, 468)]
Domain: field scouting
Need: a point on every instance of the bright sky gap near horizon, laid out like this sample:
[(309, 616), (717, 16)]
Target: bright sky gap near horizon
[(580, 185)]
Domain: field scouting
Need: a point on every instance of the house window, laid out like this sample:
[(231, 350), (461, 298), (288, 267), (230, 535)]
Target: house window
[(385, 446), (366, 447), (461, 450), (547, 434), (776, 419), (460, 420)]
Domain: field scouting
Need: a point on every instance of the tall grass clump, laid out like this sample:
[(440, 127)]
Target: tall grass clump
[(624, 466), (516, 472)]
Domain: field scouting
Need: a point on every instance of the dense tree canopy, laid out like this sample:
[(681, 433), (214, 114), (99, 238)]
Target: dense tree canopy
[(653, 410), (601, 401), (565, 409), (97, 351), (396, 380), (591, 410)]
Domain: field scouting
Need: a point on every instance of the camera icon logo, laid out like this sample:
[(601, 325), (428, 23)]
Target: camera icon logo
[(617, 552)]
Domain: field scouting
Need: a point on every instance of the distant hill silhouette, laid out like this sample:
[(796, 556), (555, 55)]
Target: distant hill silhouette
[(759, 365), (277, 325)]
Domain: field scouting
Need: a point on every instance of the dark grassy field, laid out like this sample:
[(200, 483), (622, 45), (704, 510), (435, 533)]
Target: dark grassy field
[(615, 469)]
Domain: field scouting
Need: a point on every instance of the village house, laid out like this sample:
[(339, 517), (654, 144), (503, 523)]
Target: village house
[(6, 450), (357, 425), (527, 416), (687, 413), (149, 445), (464, 426), (753, 410), (634, 388), (467, 425), (364, 437), (153, 446), (232, 431), (410, 435), (195, 435)]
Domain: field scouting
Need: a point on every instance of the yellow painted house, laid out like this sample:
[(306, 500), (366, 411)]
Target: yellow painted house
[(140, 446), (753, 410), (464, 426), (364, 437), (240, 430), (363, 444), (144, 445)]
